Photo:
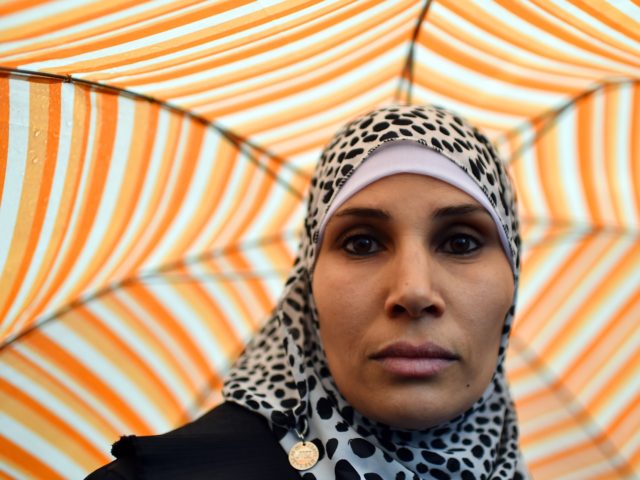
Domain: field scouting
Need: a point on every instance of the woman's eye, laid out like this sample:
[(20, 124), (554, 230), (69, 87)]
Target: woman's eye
[(461, 244), (360, 245)]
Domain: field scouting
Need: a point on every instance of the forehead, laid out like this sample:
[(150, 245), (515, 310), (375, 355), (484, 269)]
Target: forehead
[(407, 191)]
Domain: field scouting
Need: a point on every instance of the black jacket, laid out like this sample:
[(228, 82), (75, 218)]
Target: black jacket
[(229, 442)]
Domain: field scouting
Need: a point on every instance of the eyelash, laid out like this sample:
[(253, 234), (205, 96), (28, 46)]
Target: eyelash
[(347, 244)]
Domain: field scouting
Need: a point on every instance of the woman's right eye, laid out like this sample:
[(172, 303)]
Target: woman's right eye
[(361, 245)]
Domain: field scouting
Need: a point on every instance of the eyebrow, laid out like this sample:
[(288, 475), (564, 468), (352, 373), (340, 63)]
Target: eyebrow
[(364, 212), (458, 210), (444, 212)]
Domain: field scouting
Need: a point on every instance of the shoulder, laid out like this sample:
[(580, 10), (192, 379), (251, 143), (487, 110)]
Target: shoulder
[(228, 442)]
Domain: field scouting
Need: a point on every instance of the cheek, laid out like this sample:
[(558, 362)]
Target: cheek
[(487, 305)]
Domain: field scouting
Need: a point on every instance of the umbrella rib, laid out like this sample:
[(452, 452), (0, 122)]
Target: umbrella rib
[(158, 273), (548, 117), (573, 231), (408, 70), (232, 137), (575, 408)]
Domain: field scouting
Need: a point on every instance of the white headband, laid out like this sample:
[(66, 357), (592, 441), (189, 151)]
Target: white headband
[(411, 157)]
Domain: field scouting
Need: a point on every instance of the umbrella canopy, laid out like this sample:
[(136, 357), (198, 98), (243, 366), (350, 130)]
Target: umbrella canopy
[(153, 158)]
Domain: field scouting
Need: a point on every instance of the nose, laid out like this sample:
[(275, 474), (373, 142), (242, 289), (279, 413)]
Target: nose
[(413, 285)]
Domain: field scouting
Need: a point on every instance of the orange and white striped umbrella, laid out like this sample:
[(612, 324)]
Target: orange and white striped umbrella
[(153, 158)]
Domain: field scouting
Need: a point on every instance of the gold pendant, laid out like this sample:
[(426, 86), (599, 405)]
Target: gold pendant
[(303, 455)]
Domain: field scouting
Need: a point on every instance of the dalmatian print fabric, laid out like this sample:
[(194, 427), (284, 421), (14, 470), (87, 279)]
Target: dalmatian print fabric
[(283, 373)]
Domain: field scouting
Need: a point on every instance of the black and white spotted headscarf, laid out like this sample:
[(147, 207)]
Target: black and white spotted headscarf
[(283, 374)]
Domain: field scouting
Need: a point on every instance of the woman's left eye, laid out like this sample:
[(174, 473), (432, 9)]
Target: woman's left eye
[(461, 244)]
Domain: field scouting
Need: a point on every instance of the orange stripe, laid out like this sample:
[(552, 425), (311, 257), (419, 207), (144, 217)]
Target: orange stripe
[(324, 72), (167, 47), (576, 270), (21, 460), (634, 148), (8, 6), (77, 372), (612, 17), (611, 137), (30, 220), (213, 59), (510, 34), (531, 16), (115, 24), (46, 99), (138, 159), (586, 129), (259, 42), (171, 325), (92, 329), (615, 332), (65, 19), (4, 126), (57, 389), (433, 41), (184, 177), (139, 330), (77, 158), (46, 424)]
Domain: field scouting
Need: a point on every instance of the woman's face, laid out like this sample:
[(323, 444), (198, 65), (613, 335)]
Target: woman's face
[(412, 287)]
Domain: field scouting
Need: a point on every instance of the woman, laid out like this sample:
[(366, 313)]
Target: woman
[(384, 357)]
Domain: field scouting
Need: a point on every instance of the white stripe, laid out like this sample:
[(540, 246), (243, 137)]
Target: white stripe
[(139, 346), (603, 28), (51, 219), (62, 290), (502, 90), (161, 333), (54, 405), (108, 201), (599, 156), (37, 13), (85, 27), (121, 257), (538, 279), (512, 64), (626, 7), (196, 327), (569, 168), (98, 404), (147, 42), (151, 183), (11, 472), (17, 156), (582, 291), (291, 75), (530, 174), (548, 40), (53, 455), (302, 128), (477, 115), (128, 71), (622, 158), (106, 370), (622, 358), (511, 50), (156, 256), (227, 202), (218, 291), (197, 194)]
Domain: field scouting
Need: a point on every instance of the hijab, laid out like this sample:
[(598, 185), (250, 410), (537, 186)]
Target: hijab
[(283, 373)]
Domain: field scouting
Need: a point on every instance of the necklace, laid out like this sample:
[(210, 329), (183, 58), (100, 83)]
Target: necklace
[(303, 455)]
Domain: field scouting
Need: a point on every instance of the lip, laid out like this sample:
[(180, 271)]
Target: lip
[(414, 361)]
